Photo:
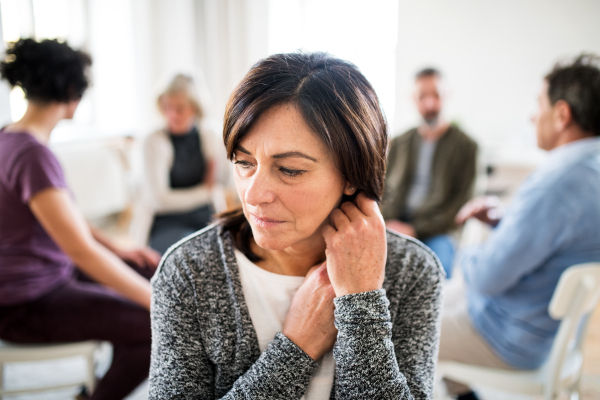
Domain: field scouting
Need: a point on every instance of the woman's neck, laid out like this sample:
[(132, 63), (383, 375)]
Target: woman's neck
[(182, 132), (39, 120), (295, 260)]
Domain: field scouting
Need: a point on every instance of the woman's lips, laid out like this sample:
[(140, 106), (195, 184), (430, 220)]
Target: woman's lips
[(264, 222)]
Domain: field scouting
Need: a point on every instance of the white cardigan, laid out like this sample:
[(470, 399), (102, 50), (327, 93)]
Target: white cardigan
[(157, 196)]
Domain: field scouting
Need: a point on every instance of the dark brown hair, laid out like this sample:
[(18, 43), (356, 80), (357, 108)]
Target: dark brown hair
[(427, 72), (337, 103), (577, 82)]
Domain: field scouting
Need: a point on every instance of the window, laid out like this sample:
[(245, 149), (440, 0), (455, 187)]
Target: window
[(364, 33), (44, 19)]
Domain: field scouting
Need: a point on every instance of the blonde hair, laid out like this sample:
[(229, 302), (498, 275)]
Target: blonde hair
[(183, 84)]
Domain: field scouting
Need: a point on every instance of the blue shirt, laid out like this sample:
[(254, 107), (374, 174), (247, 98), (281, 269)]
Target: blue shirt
[(552, 223)]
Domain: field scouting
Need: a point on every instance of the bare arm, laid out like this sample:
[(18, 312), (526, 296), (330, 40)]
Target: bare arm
[(61, 219), (143, 257)]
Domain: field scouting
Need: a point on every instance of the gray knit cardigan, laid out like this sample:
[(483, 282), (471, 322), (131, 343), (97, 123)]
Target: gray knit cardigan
[(204, 345)]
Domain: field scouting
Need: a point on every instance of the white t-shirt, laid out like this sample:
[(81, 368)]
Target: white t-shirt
[(269, 296)]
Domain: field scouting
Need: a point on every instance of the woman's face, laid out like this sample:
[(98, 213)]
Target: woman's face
[(179, 113), (286, 179)]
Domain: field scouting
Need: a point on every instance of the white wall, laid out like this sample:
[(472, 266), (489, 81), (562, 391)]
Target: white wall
[(4, 89), (355, 30), (494, 55)]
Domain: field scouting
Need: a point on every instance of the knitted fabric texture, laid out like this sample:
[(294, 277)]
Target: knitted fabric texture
[(204, 345)]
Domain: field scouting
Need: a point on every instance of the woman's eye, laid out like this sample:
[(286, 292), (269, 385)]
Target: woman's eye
[(243, 164), (291, 172)]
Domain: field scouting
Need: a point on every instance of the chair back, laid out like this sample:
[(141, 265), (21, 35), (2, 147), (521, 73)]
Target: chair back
[(575, 297)]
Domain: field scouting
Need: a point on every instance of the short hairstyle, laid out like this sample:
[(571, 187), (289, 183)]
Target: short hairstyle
[(183, 84), (427, 72), (577, 82), (47, 71), (337, 103)]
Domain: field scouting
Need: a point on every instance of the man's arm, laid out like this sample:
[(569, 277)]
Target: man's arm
[(534, 227)]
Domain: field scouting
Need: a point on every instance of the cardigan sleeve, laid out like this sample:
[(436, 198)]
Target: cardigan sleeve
[(180, 366), (380, 358), (157, 166)]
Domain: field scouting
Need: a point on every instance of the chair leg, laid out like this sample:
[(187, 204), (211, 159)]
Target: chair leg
[(91, 381), (1, 379)]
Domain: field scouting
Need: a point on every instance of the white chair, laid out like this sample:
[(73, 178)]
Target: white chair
[(575, 297), (14, 353)]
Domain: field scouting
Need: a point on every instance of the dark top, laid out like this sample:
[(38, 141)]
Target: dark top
[(31, 263), (453, 175), (189, 165), (204, 345)]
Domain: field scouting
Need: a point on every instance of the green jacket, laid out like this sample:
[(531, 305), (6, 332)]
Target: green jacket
[(452, 180)]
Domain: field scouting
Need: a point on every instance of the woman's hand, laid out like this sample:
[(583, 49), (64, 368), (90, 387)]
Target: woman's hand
[(356, 247), (143, 257), (309, 322)]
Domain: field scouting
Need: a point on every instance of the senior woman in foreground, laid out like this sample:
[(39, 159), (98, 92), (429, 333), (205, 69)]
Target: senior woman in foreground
[(301, 294)]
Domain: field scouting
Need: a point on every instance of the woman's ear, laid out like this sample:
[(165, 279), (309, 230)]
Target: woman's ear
[(349, 189)]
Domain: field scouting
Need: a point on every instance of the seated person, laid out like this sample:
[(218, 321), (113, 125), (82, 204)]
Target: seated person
[(500, 317), (60, 280), (302, 282), (179, 170), (430, 175)]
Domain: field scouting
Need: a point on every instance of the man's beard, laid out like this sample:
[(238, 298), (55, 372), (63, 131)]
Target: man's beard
[(431, 119)]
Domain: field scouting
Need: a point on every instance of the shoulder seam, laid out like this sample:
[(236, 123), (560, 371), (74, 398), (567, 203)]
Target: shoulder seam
[(181, 242)]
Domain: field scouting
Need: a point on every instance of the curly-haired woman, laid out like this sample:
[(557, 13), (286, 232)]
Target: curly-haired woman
[(43, 297), (301, 293)]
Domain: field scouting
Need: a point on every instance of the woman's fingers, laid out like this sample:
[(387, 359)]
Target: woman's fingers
[(352, 211), (328, 232), (315, 268), (152, 257), (367, 206), (339, 219)]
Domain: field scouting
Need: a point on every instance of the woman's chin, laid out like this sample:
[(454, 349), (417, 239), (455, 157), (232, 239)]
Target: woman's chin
[(270, 242)]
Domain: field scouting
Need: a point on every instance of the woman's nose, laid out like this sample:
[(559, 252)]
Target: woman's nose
[(260, 189)]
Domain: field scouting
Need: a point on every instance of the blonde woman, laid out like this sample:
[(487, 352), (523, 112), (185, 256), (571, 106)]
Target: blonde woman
[(179, 170)]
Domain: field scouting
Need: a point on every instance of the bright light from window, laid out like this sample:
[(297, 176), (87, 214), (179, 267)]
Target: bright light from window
[(10, 23), (18, 104), (51, 19), (364, 33)]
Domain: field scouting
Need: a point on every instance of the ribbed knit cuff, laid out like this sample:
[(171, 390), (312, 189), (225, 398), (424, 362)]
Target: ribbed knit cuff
[(284, 370), (362, 313)]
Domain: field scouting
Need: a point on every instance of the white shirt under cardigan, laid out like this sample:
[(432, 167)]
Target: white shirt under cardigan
[(268, 297), (157, 196)]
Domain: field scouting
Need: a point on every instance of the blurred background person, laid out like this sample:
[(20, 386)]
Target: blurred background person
[(431, 173), (499, 317), (180, 169), (44, 298)]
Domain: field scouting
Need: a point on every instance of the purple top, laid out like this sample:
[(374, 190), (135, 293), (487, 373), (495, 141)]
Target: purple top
[(31, 263)]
